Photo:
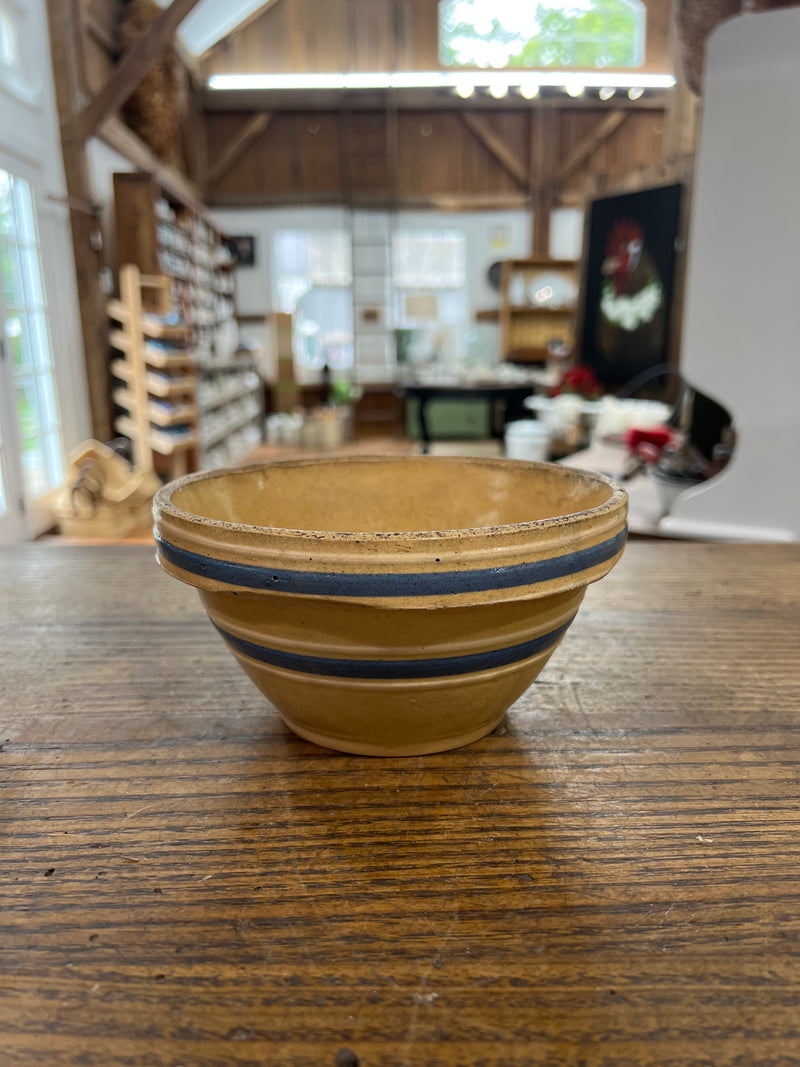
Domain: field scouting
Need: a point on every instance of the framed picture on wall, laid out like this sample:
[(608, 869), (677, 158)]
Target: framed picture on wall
[(243, 250), (628, 283)]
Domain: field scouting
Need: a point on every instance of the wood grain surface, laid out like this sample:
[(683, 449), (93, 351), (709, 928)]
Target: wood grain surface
[(609, 879)]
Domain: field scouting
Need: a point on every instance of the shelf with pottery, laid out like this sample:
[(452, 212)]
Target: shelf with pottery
[(230, 399), (180, 244), (537, 309), (159, 384), (164, 235)]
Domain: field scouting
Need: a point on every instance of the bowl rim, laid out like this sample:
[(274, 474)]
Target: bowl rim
[(163, 505)]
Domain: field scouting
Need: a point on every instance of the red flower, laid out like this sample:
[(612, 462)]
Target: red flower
[(580, 381)]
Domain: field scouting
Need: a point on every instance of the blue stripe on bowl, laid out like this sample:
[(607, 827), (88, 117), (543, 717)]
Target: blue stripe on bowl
[(393, 668), (409, 584)]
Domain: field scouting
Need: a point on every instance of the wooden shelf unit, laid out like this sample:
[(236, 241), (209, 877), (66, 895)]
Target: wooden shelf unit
[(161, 425), (178, 242), (527, 328)]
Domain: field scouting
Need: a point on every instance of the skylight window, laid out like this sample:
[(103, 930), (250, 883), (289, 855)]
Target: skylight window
[(542, 33), (211, 20)]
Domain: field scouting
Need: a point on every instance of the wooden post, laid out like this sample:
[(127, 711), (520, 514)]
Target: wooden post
[(682, 113), (66, 69), (541, 177), (681, 122)]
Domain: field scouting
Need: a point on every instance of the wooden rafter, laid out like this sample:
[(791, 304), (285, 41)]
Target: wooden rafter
[(247, 135), (130, 70), (123, 140), (496, 146), (588, 146)]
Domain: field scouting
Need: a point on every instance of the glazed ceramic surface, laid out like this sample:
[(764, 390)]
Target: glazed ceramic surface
[(391, 606)]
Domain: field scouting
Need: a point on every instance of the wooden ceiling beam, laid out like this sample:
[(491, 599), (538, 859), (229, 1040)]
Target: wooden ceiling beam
[(247, 135), (123, 140), (496, 146), (588, 146), (130, 70)]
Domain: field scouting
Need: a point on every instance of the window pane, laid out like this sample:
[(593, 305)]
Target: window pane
[(39, 341), (54, 460), (320, 257), (45, 394), (12, 278), (34, 466), (26, 216), (32, 277), (542, 33), (27, 408), (329, 256), (9, 50), (18, 341), (291, 248), (429, 259), (28, 336), (7, 222)]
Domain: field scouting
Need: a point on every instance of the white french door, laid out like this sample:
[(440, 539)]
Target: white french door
[(43, 394), (12, 515), (31, 446)]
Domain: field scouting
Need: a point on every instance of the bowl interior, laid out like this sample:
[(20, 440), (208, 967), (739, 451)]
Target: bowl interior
[(378, 495)]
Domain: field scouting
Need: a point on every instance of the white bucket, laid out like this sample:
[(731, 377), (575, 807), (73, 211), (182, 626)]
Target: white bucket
[(527, 439)]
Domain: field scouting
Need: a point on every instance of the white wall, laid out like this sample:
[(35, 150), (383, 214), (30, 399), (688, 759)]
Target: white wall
[(566, 233), (490, 235), (255, 289), (103, 162)]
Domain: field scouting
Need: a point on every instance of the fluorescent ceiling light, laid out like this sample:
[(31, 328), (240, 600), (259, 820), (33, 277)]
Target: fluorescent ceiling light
[(435, 80)]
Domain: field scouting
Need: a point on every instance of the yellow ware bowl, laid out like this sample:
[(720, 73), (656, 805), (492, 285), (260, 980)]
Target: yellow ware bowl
[(391, 606)]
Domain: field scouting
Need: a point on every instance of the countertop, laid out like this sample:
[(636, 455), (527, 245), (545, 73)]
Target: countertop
[(611, 878)]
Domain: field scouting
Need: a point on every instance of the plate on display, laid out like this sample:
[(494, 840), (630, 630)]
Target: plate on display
[(547, 289)]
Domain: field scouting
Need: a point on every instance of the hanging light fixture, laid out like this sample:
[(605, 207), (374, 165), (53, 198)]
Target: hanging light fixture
[(420, 79)]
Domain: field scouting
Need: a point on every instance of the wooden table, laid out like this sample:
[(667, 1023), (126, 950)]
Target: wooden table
[(613, 878), (508, 395)]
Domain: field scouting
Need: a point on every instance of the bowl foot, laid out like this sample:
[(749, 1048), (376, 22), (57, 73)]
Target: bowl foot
[(421, 748)]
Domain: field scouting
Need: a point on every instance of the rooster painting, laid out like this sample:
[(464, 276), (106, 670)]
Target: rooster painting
[(632, 301), (629, 282)]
